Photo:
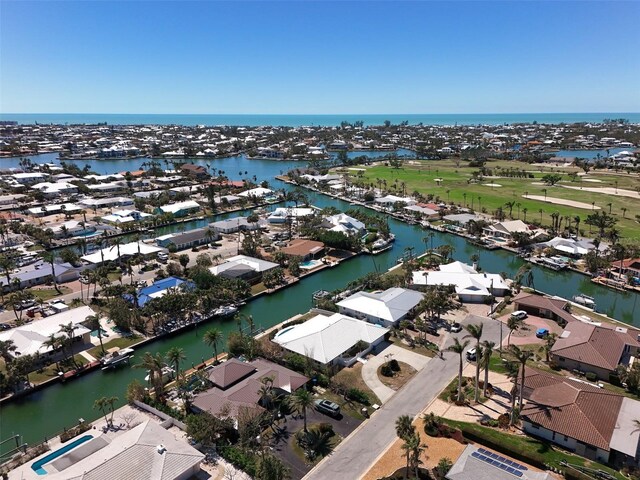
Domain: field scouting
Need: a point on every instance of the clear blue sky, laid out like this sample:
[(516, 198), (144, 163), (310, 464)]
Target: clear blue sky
[(319, 57)]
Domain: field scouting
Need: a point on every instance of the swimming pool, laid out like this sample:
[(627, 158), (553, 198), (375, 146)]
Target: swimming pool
[(38, 465), (309, 264)]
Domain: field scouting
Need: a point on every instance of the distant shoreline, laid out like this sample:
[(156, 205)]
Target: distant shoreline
[(328, 120)]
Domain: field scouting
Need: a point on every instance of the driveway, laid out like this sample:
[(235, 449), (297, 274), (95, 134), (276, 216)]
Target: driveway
[(284, 437), (370, 369), (357, 453)]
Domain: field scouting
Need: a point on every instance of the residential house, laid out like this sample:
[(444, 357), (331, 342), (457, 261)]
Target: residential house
[(161, 288), (242, 267), (386, 308), (345, 224), (116, 252), (188, 239), (51, 190), (389, 201), (180, 209), (29, 178), (236, 385), (305, 249), (556, 309), (108, 202), (572, 247), (330, 340), (46, 210), (119, 217), (37, 274), (592, 422), (282, 214), (236, 224), (258, 192), (506, 229), (195, 171), (586, 347), (477, 463)]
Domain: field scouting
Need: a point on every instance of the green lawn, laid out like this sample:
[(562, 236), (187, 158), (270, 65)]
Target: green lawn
[(523, 447), (46, 294), (121, 342), (419, 176)]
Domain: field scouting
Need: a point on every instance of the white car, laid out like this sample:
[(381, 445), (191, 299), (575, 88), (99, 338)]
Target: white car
[(519, 315), (471, 354), (163, 257)]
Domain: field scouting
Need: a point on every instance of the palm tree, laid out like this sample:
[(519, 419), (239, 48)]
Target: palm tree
[(549, 341), (413, 450), (487, 352), (69, 330), (522, 356), (302, 400), (212, 337), (174, 356), (53, 343), (459, 348), (50, 257), (153, 364), (94, 324), (513, 324), (404, 427), (6, 347), (475, 331), (524, 213)]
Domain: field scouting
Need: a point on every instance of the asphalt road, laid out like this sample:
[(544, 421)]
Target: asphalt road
[(358, 452)]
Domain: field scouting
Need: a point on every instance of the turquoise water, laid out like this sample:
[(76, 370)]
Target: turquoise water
[(591, 154), (310, 120), (38, 466)]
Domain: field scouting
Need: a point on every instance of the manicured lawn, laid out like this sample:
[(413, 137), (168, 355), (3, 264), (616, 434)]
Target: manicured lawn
[(524, 447), (46, 294), (422, 350), (121, 342), (420, 176), (257, 288)]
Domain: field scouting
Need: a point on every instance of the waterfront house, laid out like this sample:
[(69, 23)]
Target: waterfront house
[(592, 422), (188, 239), (304, 249), (161, 288), (180, 209), (386, 308), (462, 218), (71, 228), (116, 252), (477, 463), (31, 338), (282, 214), (343, 223), (236, 224), (51, 190), (506, 229), (330, 340), (37, 274), (108, 202), (572, 247), (596, 349), (119, 217), (236, 385), (422, 211), (470, 286), (389, 201), (198, 172), (556, 309), (258, 192), (147, 451), (629, 267), (242, 267)]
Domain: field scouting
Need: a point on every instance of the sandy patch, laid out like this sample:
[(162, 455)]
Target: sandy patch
[(562, 201), (491, 184), (592, 180), (538, 183), (358, 169), (608, 191)]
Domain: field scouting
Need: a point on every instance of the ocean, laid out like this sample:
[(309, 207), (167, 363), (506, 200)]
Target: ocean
[(311, 120)]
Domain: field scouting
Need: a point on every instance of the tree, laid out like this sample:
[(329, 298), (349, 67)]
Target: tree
[(601, 220), (153, 364), (174, 356), (6, 348), (212, 337), (270, 467), (106, 406), (184, 261), (443, 467), (404, 427), (50, 257), (522, 356), (475, 331), (302, 400), (549, 341), (551, 179), (487, 352), (513, 324), (459, 348), (94, 324), (69, 331), (446, 251)]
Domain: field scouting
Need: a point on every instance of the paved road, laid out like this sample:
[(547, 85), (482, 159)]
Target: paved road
[(360, 450)]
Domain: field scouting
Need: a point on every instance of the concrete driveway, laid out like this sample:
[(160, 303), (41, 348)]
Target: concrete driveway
[(370, 369)]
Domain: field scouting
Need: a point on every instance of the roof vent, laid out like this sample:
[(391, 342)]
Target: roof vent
[(161, 449)]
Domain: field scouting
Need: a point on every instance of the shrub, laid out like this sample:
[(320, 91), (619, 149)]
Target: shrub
[(239, 459), (386, 370), (395, 366), (74, 431), (358, 395), (322, 380), (592, 377), (325, 428)]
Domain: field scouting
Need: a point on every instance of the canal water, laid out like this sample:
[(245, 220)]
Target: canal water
[(48, 411)]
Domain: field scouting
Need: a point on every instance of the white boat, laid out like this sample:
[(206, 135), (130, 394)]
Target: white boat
[(168, 373), (116, 358), (225, 310), (585, 301), (383, 242)]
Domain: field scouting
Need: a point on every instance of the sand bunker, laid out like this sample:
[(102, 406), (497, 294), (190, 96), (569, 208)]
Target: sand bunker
[(608, 191), (538, 183), (592, 180), (492, 185), (562, 201)]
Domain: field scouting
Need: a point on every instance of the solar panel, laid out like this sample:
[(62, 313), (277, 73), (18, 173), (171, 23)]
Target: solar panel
[(499, 461)]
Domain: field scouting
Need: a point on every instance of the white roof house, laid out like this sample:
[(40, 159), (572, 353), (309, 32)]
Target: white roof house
[(176, 208), (29, 339), (386, 308), (280, 214), (391, 199), (258, 192), (256, 264), (343, 223), (128, 249), (470, 285), (146, 452), (505, 229), (52, 189), (571, 246), (325, 339)]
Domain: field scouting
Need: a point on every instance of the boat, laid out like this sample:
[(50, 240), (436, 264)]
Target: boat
[(381, 243), (168, 374), (116, 358), (225, 310), (585, 301)]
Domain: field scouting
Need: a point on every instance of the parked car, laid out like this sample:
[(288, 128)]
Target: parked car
[(519, 315), (163, 257), (327, 407), (542, 332), (456, 327), (24, 304), (472, 354)]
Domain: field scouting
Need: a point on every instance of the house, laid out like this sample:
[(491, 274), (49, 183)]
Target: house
[(45, 210), (37, 274), (470, 286), (180, 209), (281, 214), (145, 452), (110, 187), (188, 239), (304, 249), (194, 171), (345, 224), (108, 202), (236, 224), (51, 190), (386, 308), (389, 201), (119, 217), (258, 192), (597, 349), (31, 338), (330, 340), (71, 228), (422, 211), (506, 229), (462, 218), (556, 309), (236, 385), (476, 463), (572, 247), (161, 288), (629, 266), (244, 268), (116, 252), (592, 422), (29, 178)]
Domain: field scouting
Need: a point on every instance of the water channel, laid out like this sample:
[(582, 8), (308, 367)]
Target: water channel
[(48, 411)]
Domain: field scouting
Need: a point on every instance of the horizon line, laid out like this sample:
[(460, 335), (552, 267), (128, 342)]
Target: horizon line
[(316, 114)]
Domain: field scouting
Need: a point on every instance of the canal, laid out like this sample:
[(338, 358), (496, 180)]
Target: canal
[(48, 411)]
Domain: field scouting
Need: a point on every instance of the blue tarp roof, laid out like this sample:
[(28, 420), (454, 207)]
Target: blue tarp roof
[(144, 295)]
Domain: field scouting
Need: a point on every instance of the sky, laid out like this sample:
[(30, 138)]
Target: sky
[(324, 57)]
